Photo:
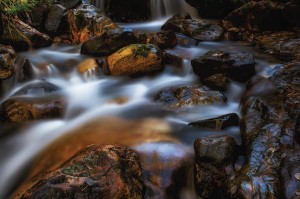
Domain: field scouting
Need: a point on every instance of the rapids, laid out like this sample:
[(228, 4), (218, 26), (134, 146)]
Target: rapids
[(104, 109)]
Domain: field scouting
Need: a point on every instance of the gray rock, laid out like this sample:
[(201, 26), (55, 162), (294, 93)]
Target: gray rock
[(54, 18)]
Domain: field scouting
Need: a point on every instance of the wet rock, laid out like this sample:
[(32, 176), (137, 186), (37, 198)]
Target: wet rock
[(135, 59), (258, 16), (25, 71), (213, 155), (128, 11), (163, 39), (178, 97), (108, 42), (54, 18), (218, 123), (106, 171), (38, 14), (215, 9), (270, 119), (40, 88), (291, 12), (87, 21), (7, 60), (88, 67), (290, 173), (237, 66), (282, 45), (23, 37), (217, 82), (68, 4), (169, 58), (183, 23), (24, 109)]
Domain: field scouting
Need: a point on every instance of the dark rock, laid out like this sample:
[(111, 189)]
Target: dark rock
[(291, 12), (21, 36), (127, 11), (25, 71), (258, 16), (87, 21), (37, 88), (270, 119), (38, 14), (68, 4), (7, 60), (237, 66), (54, 18), (108, 42), (215, 9), (282, 45), (213, 155), (163, 39), (290, 174), (178, 97), (183, 23), (24, 109), (169, 58), (135, 59), (218, 123), (106, 171), (216, 82)]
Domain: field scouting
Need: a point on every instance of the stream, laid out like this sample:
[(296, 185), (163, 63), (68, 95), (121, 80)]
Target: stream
[(112, 110)]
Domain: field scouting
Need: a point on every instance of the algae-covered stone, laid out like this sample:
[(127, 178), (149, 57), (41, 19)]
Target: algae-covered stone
[(135, 59)]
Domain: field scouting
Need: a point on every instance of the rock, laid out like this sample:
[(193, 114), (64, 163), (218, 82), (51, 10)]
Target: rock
[(128, 11), (23, 37), (218, 123), (87, 21), (40, 88), (237, 66), (269, 129), (54, 18), (19, 110), (106, 171), (183, 23), (258, 16), (68, 4), (38, 14), (291, 12), (217, 82), (163, 39), (289, 174), (215, 9), (135, 59), (178, 97), (7, 60), (108, 42), (212, 155), (88, 67), (282, 45), (169, 58), (25, 71)]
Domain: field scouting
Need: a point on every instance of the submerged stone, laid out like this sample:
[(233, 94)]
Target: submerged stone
[(218, 123), (178, 97), (135, 59), (216, 82), (237, 66), (105, 171)]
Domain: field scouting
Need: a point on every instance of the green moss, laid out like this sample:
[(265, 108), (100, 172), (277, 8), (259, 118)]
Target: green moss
[(14, 7), (141, 50)]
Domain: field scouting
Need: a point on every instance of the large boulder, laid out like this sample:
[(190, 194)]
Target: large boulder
[(163, 39), (270, 133), (54, 18), (7, 60), (108, 42), (21, 36), (87, 21), (105, 171), (183, 23), (215, 9), (135, 59), (214, 157), (237, 66), (128, 11), (177, 97)]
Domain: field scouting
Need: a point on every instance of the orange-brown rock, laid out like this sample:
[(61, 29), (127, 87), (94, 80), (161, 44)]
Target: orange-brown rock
[(7, 59), (87, 21), (135, 59)]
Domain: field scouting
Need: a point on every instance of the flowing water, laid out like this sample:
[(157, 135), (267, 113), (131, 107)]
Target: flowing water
[(110, 110)]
